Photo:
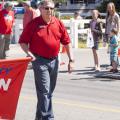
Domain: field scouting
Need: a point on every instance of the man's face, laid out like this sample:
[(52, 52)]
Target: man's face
[(25, 6), (9, 8), (47, 10), (111, 34)]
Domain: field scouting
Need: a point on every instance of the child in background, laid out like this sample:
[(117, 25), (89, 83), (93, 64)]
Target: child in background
[(96, 30), (113, 50)]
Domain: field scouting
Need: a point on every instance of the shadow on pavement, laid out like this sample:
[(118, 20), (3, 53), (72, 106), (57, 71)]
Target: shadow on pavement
[(95, 79)]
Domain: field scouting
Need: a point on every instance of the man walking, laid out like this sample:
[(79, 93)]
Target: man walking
[(6, 24), (41, 40)]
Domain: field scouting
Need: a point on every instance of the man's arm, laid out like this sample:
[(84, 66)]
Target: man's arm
[(65, 40), (69, 52), (25, 48), (70, 56)]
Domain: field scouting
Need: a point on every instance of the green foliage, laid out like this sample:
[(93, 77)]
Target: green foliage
[(103, 6), (59, 1), (81, 43), (66, 17), (21, 0)]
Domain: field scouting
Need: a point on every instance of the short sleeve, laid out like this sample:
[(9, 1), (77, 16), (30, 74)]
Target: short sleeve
[(27, 33), (65, 39)]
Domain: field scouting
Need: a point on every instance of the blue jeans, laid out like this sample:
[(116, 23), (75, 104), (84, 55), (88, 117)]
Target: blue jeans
[(114, 57), (45, 72)]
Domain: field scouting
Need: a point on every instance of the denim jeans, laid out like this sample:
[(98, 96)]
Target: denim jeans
[(45, 73)]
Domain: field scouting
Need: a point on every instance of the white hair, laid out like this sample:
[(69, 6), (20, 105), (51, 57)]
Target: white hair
[(45, 2)]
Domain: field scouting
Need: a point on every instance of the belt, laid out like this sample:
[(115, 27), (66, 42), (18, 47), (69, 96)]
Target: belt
[(51, 58)]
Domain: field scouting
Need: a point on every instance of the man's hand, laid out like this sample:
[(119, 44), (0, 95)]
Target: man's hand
[(31, 55), (70, 66)]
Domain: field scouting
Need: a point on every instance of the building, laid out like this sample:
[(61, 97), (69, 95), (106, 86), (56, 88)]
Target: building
[(81, 5)]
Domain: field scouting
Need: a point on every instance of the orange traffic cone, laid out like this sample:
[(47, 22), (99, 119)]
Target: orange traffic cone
[(118, 52)]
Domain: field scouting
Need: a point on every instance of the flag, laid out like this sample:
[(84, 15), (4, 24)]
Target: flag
[(12, 73)]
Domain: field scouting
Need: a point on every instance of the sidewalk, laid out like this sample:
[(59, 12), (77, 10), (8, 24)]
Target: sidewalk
[(16, 52)]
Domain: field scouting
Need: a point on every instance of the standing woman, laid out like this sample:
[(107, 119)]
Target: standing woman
[(112, 21), (96, 30)]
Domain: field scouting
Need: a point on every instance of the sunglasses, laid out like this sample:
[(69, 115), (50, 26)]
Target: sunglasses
[(48, 8)]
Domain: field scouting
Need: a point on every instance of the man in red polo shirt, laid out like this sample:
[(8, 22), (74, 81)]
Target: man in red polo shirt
[(6, 24), (41, 40)]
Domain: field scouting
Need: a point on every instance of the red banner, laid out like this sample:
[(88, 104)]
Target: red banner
[(11, 77)]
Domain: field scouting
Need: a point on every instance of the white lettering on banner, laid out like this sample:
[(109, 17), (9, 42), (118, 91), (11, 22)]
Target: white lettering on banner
[(4, 84)]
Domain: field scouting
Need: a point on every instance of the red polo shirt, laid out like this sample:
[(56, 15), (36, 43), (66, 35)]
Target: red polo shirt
[(6, 21), (44, 39)]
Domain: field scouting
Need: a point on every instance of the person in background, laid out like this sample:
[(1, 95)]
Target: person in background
[(78, 18), (41, 40), (112, 21), (29, 13), (34, 5), (6, 25), (77, 15), (113, 45), (96, 30)]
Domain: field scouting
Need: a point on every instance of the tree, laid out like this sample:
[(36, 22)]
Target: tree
[(60, 1), (103, 6)]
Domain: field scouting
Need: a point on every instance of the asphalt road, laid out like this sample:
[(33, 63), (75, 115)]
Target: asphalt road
[(78, 96)]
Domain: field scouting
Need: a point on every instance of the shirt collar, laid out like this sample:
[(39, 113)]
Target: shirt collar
[(51, 22)]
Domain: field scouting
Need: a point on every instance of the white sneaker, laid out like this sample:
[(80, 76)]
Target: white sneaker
[(97, 69)]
